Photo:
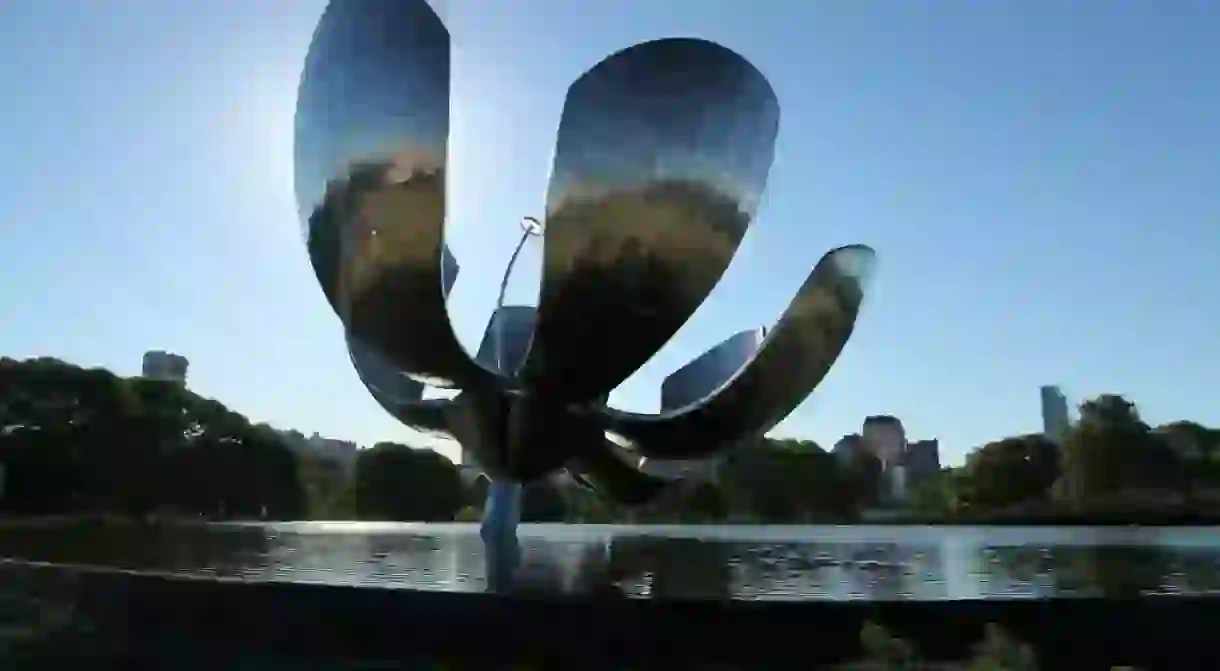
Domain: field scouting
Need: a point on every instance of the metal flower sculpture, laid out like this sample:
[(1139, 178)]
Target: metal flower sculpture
[(663, 153)]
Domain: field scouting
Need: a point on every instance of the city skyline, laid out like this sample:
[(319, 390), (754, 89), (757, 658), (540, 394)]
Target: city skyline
[(1011, 165)]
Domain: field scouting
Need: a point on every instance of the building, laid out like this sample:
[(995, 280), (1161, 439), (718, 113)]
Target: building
[(922, 461), (884, 436), (1055, 422), (342, 452), (905, 466), (848, 447), (165, 366), (896, 485)]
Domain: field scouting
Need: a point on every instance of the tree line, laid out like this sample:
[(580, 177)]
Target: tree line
[(84, 441), (1111, 464)]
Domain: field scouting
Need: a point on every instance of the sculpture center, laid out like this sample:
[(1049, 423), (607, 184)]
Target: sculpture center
[(544, 434)]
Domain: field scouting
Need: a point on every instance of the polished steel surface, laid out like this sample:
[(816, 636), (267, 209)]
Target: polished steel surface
[(702, 377), (372, 127), (662, 156), (507, 339), (791, 362), (396, 393), (615, 474)]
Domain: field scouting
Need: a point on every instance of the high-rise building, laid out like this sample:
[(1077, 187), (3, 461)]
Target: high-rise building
[(922, 461), (886, 438), (164, 366), (848, 447), (1055, 422)]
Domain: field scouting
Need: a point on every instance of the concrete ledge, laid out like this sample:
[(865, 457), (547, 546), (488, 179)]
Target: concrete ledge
[(159, 616)]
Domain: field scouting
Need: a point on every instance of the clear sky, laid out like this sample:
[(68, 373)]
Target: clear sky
[(1039, 179)]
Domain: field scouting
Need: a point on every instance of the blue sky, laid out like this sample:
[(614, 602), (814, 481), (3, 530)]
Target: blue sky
[(1038, 177)]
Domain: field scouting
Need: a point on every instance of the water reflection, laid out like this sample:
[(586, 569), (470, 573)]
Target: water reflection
[(870, 563)]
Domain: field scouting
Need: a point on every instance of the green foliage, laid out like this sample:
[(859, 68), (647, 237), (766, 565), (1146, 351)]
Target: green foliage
[(79, 441), (787, 481), (542, 502), (76, 440), (998, 651), (85, 441), (1009, 472), (469, 514), (1111, 450), (397, 482)]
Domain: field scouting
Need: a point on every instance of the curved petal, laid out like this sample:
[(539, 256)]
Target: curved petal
[(396, 393), (507, 339), (608, 472), (793, 359), (703, 376), (662, 156), (580, 480), (372, 127)]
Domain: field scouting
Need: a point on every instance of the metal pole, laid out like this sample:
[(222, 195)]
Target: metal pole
[(512, 261), (502, 509), (527, 231)]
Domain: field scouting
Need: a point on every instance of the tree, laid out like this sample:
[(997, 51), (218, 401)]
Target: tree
[(76, 440), (1011, 471), (329, 491), (861, 482), (397, 482), (541, 502), (938, 495), (1112, 449), (781, 484)]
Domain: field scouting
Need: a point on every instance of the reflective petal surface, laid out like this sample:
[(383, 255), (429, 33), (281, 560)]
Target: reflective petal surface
[(507, 339), (663, 153), (372, 126), (612, 473), (711, 370), (793, 359), (398, 394)]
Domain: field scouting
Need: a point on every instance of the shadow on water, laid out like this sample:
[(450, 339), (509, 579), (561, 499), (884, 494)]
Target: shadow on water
[(193, 548)]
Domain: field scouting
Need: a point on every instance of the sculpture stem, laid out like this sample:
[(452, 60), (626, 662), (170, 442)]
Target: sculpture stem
[(501, 515), (508, 272)]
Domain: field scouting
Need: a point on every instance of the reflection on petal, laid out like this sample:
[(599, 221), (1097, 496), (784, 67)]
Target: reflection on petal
[(709, 372), (372, 127), (793, 359), (613, 473), (580, 480), (399, 395), (507, 339), (662, 156)]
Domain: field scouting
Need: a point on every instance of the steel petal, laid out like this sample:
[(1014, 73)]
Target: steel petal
[(710, 371), (372, 127), (611, 472), (792, 360), (396, 393), (662, 156), (507, 339)]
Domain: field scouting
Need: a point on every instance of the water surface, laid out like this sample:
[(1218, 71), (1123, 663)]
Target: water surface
[(741, 562)]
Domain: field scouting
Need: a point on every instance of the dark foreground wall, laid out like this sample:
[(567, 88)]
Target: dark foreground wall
[(209, 623)]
